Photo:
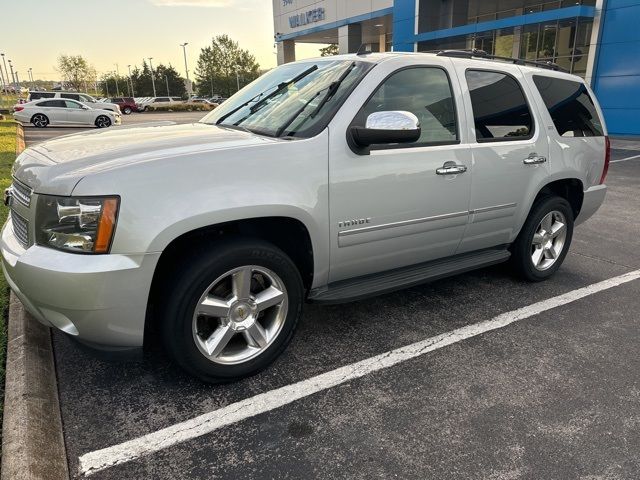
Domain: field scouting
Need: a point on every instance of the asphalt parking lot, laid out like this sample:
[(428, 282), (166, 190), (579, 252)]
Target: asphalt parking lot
[(555, 394)]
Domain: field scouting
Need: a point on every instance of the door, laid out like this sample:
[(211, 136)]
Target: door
[(509, 150), (56, 111), (394, 205), (76, 114)]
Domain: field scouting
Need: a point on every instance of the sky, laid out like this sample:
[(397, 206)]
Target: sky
[(123, 32)]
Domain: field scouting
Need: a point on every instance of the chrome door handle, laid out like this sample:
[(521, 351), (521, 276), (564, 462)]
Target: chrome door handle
[(451, 169), (533, 159)]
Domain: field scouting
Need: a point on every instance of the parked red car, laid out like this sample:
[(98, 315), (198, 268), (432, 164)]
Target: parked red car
[(126, 104)]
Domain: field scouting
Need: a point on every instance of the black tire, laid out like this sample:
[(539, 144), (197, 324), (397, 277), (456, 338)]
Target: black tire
[(127, 110), (191, 278), (40, 120), (103, 121), (522, 248)]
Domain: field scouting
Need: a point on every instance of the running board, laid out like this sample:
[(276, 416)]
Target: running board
[(384, 282)]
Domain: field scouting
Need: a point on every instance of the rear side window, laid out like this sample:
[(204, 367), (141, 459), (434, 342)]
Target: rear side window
[(423, 91), (37, 95), (570, 106), (500, 110), (72, 96), (53, 103)]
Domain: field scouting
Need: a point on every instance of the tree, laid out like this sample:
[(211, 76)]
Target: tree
[(164, 76), (329, 50), (142, 85), (75, 70), (222, 66)]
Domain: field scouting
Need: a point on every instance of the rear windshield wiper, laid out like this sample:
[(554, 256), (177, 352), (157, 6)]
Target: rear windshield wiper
[(281, 87)]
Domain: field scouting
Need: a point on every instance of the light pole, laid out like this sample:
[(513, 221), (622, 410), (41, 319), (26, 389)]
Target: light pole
[(4, 82), (166, 79), (13, 77), (237, 80), (186, 69), (117, 74), (5, 67), (106, 84), (18, 83), (31, 76), (131, 81), (153, 82)]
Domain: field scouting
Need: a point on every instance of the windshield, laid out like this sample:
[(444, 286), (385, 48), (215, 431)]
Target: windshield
[(293, 100)]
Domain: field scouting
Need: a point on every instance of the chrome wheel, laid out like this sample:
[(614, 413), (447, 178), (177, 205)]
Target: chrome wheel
[(548, 240), (103, 122), (240, 315), (40, 120)]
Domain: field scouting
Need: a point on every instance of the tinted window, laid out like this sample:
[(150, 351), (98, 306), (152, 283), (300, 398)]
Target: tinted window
[(72, 96), (37, 95), (570, 106), (423, 91), (71, 104), (53, 103), (162, 99), (500, 110)]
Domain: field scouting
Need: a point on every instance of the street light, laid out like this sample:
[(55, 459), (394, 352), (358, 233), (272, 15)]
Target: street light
[(5, 67), (237, 80), (166, 79), (13, 77), (153, 82), (117, 72), (30, 71), (131, 81), (186, 69)]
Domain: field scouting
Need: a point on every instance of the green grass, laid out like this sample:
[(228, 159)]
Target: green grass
[(7, 157)]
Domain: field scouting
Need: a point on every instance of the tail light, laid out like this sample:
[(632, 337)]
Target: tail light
[(607, 159), (18, 109)]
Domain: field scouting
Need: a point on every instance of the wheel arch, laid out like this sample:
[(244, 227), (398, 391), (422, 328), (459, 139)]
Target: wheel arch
[(287, 233)]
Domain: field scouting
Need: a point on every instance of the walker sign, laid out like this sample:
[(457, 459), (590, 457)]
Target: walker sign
[(305, 18)]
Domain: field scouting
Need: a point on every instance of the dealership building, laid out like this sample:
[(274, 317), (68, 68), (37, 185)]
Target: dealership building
[(596, 39)]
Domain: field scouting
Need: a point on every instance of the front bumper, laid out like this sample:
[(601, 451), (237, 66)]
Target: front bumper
[(100, 299), (593, 198)]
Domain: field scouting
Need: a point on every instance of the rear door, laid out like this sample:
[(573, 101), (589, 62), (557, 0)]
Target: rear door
[(56, 111), (509, 149)]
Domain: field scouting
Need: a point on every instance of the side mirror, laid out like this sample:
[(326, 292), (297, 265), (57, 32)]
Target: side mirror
[(84, 107), (387, 127)]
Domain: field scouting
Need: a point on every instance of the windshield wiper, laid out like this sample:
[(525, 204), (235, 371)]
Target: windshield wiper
[(281, 87), (331, 91)]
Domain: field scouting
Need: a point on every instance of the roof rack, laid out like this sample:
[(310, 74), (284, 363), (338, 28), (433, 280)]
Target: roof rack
[(475, 53)]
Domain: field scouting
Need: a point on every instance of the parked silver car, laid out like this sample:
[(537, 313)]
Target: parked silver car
[(324, 180)]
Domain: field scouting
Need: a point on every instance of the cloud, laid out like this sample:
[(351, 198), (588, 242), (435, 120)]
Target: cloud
[(192, 3)]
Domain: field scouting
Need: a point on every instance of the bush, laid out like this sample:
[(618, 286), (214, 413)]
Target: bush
[(182, 107)]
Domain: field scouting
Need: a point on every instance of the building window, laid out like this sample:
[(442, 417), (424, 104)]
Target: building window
[(500, 110), (565, 42)]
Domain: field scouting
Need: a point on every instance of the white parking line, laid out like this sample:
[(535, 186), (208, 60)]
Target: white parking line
[(181, 432), (625, 159)]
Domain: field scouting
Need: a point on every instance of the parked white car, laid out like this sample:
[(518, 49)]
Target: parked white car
[(155, 101), (85, 98), (59, 112)]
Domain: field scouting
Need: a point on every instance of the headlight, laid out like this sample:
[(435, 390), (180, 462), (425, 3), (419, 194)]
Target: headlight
[(83, 225)]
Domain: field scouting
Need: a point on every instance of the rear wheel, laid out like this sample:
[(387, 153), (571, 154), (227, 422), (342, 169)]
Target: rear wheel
[(544, 240), (40, 120), (103, 121), (231, 309), (126, 110)]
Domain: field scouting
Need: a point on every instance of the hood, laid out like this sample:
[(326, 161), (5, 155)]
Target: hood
[(57, 165)]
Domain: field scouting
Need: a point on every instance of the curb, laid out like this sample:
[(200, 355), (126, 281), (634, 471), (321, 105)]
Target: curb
[(32, 439)]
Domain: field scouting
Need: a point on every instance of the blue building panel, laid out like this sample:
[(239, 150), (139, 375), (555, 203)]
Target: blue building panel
[(617, 70)]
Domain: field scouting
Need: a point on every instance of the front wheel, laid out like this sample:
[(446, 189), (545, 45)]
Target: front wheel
[(126, 110), (544, 240), (231, 309), (103, 121)]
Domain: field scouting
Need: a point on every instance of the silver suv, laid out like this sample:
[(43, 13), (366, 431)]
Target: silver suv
[(325, 180)]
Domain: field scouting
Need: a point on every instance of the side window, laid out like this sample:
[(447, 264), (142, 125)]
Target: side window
[(500, 110), (71, 104), (423, 91), (72, 96), (570, 106), (56, 103)]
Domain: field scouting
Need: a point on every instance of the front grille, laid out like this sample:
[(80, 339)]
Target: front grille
[(21, 193), (20, 228)]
